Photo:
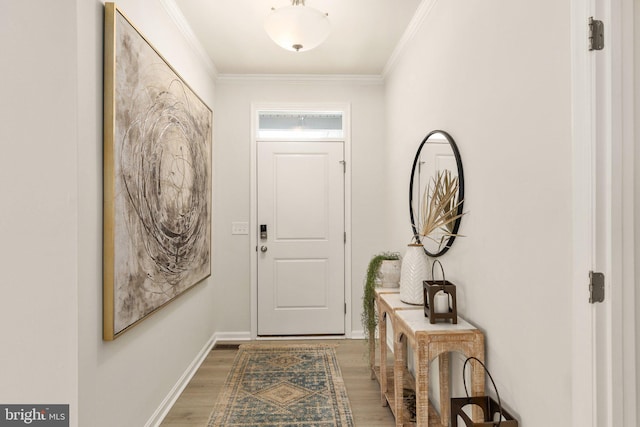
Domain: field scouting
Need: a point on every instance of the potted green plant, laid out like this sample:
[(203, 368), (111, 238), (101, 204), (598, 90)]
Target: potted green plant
[(369, 316)]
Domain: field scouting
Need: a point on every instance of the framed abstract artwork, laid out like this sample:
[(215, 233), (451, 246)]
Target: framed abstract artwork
[(157, 180)]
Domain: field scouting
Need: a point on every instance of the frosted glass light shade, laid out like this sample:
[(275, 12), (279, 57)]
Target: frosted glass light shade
[(297, 27)]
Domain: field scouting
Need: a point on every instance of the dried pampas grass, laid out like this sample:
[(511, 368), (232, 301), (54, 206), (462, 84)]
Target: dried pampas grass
[(439, 210)]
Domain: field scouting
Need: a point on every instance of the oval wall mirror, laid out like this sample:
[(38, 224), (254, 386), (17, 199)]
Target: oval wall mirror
[(437, 159)]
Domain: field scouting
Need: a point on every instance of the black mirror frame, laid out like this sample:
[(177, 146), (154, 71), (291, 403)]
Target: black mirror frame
[(456, 225)]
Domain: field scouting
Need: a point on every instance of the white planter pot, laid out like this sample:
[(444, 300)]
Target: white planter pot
[(414, 271), (389, 273)]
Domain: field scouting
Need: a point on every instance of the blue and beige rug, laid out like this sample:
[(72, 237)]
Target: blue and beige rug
[(283, 385)]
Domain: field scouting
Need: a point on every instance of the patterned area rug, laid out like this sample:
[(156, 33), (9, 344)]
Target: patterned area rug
[(283, 385)]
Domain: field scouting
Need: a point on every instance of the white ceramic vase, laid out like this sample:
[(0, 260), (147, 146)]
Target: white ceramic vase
[(389, 273), (414, 271)]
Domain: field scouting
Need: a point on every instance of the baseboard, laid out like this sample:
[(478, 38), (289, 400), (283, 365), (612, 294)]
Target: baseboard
[(178, 388), (357, 335), (233, 336), (182, 383)]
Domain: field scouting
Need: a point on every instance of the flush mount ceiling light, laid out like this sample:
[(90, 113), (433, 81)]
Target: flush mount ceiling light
[(297, 27)]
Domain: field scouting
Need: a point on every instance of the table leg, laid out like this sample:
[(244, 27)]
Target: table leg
[(382, 323), (477, 375), (445, 394), (421, 362), (399, 353)]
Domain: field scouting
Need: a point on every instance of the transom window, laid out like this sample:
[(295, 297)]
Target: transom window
[(300, 125)]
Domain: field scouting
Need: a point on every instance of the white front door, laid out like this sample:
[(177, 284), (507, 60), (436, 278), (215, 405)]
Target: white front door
[(300, 193)]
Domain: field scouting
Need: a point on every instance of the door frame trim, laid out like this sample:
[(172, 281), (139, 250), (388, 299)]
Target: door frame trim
[(617, 400), (345, 108)]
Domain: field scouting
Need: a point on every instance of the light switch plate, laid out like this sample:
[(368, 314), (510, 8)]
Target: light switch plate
[(239, 228)]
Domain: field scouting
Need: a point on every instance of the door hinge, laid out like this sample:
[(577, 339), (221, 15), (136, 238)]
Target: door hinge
[(344, 166), (596, 34), (345, 308), (345, 237), (596, 287)]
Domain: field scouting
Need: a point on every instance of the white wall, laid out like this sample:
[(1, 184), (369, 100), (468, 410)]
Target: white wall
[(51, 222), (234, 97), (496, 75), (38, 178)]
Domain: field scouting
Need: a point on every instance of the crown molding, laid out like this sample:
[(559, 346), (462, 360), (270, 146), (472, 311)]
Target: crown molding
[(363, 79), (178, 18), (423, 11)]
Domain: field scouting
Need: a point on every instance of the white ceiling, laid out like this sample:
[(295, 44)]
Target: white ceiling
[(364, 34)]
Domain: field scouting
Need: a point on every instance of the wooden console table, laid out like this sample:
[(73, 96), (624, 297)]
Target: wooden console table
[(382, 308), (428, 341), (388, 304)]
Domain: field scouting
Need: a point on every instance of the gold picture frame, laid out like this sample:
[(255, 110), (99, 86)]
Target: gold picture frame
[(157, 180)]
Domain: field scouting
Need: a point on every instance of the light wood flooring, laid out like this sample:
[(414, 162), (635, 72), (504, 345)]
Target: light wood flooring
[(194, 405)]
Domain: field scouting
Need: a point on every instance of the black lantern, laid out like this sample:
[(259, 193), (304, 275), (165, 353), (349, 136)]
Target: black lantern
[(440, 298), (490, 408)]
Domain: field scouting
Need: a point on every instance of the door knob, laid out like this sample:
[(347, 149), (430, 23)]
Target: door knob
[(263, 248)]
